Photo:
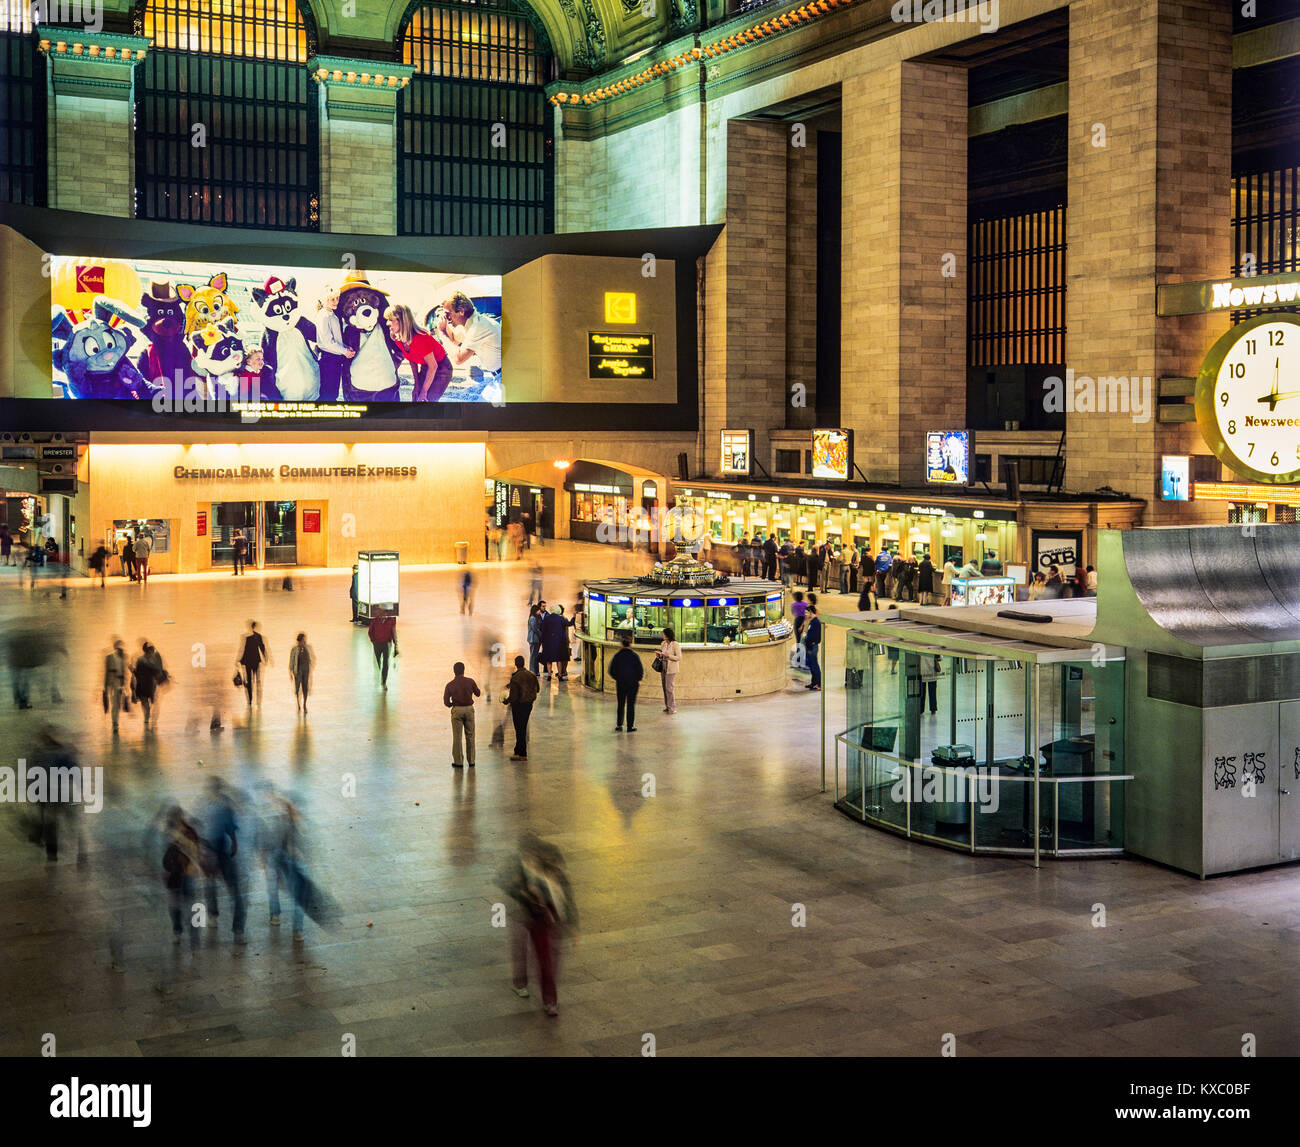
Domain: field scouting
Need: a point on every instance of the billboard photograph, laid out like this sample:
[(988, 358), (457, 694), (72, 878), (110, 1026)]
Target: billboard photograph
[(832, 454), (947, 457), (183, 334), (1175, 478)]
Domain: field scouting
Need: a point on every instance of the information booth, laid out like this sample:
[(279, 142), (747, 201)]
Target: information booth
[(733, 631), (377, 582)]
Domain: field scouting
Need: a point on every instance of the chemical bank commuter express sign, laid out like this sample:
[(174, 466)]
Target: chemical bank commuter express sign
[(262, 473)]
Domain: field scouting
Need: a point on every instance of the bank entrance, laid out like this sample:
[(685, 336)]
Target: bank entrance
[(271, 529)]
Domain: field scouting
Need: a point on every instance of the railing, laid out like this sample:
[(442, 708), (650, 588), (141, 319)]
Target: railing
[(981, 810)]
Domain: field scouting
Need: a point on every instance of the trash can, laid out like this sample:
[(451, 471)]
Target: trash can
[(462, 553)]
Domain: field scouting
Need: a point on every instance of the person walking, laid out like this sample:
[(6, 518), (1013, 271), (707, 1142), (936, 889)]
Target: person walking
[(467, 593), (925, 580), (221, 838), (301, 663), (544, 913), (280, 844), (555, 643), (534, 638), (98, 564), (128, 557), (253, 654), (115, 681), (6, 546), (812, 639), (143, 549), (149, 674), (458, 696), (521, 692), (383, 636), (182, 864), (670, 655), (240, 552), (626, 669), (949, 572), (535, 586)]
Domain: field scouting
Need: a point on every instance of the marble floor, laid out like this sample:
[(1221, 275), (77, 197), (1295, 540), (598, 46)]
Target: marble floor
[(731, 912)]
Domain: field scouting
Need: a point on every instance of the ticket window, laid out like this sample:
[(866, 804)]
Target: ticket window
[(782, 527), (650, 621), (692, 628), (753, 614), (594, 618), (619, 614), (775, 610), (757, 525), (724, 623)]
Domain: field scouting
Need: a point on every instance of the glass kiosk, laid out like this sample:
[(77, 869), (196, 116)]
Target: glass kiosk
[(377, 582), (733, 631)]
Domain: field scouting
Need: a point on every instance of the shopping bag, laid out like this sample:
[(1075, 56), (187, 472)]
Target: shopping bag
[(239, 679)]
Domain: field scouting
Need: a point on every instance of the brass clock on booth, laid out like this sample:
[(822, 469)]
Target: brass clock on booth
[(1248, 398)]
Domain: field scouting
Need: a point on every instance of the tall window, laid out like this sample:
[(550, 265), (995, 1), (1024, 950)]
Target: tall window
[(477, 152), (22, 108), (1017, 289), (227, 123), (1266, 221)]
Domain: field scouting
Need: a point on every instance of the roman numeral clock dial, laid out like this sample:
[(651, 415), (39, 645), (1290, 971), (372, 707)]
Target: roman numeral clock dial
[(1248, 398)]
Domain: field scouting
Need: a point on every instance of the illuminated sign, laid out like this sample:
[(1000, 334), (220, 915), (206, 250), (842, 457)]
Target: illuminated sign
[(620, 307), (813, 502), (1241, 492), (1175, 478), (724, 601), (935, 510), (595, 597), (261, 473), (737, 452), (832, 454), (1212, 295), (947, 457), (620, 356)]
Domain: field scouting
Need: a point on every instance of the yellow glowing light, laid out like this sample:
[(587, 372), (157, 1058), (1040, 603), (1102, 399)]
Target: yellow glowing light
[(562, 463), (620, 307)]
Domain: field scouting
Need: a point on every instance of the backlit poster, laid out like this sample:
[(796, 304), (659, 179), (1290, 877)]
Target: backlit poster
[(1175, 478), (947, 457), (832, 454), (737, 449), (186, 336)]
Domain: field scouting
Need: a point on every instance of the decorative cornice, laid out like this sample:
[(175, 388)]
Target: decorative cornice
[(101, 47), (748, 30), (337, 70)]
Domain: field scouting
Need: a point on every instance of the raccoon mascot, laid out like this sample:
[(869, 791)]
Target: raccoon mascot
[(287, 345), (372, 375)]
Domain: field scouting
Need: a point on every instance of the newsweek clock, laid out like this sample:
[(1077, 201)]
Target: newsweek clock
[(1248, 398)]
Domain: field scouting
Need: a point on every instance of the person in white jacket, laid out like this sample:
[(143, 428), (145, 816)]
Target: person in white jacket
[(949, 572), (671, 655)]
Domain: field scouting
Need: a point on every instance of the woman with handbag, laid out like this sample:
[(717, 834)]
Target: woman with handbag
[(667, 662)]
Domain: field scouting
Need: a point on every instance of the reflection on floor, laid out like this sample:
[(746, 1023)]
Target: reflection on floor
[(687, 895)]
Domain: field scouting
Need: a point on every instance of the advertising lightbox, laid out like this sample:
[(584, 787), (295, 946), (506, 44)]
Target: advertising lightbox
[(377, 578), (183, 334), (1175, 478), (947, 457), (832, 454), (737, 453)]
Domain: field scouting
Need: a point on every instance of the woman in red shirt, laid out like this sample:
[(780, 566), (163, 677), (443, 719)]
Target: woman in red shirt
[(428, 359)]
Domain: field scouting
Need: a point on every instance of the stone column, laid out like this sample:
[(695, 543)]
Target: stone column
[(358, 143), (903, 305), (1150, 154), (745, 295), (91, 119)]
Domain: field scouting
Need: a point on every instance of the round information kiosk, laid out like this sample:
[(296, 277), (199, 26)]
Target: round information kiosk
[(733, 631)]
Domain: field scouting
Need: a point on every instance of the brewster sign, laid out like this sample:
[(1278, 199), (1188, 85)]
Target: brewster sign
[(261, 473)]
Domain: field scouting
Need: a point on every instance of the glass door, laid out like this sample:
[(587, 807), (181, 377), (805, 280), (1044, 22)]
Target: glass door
[(228, 519), (280, 533)]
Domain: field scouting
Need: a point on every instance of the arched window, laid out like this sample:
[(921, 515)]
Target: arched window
[(477, 150), (22, 108), (227, 120)]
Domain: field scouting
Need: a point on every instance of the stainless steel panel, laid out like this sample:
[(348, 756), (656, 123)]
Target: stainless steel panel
[(1288, 781), (1241, 831)]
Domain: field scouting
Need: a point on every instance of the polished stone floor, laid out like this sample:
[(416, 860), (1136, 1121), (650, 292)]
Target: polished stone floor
[(689, 897)]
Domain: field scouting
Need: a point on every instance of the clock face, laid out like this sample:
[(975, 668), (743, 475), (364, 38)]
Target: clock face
[(1248, 398)]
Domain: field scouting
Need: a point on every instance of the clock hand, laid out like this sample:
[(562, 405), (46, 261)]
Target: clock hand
[(1274, 398)]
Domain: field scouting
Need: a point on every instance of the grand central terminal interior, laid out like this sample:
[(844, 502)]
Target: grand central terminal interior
[(733, 528)]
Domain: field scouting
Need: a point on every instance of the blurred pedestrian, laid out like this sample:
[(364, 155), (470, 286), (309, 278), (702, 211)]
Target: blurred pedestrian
[(383, 637), (115, 668), (279, 838), (149, 675), (458, 696), (627, 671), (127, 557), (467, 593), (98, 563), (301, 663), (239, 553), (220, 835), (253, 654), (555, 643), (812, 639), (6, 546), (143, 548), (670, 658), (534, 637), (544, 912), (182, 865), (520, 694), (535, 586)]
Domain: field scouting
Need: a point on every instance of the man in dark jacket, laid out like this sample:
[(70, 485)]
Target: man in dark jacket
[(626, 669), (520, 695), (812, 639), (991, 566), (769, 557), (925, 580)]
